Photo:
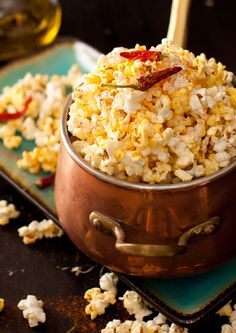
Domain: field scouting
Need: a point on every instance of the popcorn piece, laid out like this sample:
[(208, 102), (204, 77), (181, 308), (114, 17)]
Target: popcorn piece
[(108, 282), (177, 329), (98, 301), (32, 310), (134, 305), (12, 142), (2, 304), (227, 329), (183, 175), (226, 310), (7, 212), (37, 230)]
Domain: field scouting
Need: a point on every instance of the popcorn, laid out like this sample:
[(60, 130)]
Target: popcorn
[(12, 142), (37, 230), (32, 310), (98, 301), (181, 128), (2, 304), (134, 305), (227, 329), (41, 120), (108, 282), (7, 212)]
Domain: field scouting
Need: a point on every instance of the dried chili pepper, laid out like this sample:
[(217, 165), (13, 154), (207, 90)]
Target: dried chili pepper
[(5, 116), (45, 181), (147, 81), (143, 55)]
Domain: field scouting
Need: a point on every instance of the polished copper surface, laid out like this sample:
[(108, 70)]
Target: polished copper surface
[(147, 214)]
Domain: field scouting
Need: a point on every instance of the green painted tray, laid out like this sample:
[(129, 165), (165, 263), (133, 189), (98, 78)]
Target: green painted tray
[(186, 301)]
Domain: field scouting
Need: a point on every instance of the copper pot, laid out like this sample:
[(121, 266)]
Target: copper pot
[(141, 229)]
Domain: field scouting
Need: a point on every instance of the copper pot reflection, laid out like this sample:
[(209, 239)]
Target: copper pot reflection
[(146, 230)]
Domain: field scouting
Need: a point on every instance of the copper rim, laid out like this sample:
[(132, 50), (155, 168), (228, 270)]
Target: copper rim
[(133, 186)]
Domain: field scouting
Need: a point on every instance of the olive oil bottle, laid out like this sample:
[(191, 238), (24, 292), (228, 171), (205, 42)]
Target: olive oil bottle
[(26, 25)]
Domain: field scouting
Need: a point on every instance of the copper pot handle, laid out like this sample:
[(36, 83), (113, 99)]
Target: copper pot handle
[(108, 225)]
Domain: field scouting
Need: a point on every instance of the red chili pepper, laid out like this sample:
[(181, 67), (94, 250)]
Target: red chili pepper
[(143, 55), (146, 82), (12, 116), (45, 181)]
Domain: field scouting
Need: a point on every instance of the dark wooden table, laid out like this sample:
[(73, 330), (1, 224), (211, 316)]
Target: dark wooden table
[(39, 269)]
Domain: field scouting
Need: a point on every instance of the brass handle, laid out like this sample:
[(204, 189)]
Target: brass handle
[(177, 30), (108, 225)]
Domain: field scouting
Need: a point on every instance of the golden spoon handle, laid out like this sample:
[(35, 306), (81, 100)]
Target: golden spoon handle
[(177, 30)]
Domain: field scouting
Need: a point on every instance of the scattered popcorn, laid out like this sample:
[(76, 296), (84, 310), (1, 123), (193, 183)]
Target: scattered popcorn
[(181, 128), (135, 305), (98, 301), (37, 230), (2, 304), (40, 122), (108, 282), (151, 326), (32, 310), (7, 212)]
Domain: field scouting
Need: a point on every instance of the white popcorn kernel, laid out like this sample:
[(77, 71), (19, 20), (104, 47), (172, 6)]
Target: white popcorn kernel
[(134, 305), (32, 310), (37, 230), (195, 104), (223, 158), (29, 128), (177, 329), (7, 212), (183, 175), (108, 282), (227, 329), (129, 102)]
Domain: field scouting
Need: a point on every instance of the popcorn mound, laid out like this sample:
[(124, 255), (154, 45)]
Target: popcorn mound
[(180, 128)]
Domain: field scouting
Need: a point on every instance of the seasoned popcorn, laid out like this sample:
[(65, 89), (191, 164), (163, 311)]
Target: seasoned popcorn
[(2, 304), (98, 301), (134, 304), (37, 230), (7, 212), (32, 310), (181, 128), (41, 119)]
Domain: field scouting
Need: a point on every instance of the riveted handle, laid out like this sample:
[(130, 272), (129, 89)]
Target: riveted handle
[(108, 225)]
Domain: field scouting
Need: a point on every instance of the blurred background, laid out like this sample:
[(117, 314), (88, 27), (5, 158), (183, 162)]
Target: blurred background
[(108, 23), (105, 24)]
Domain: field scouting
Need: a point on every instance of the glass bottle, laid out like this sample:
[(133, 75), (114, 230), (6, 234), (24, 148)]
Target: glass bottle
[(26, 25)]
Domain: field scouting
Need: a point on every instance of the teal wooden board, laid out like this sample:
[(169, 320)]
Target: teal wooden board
[(191, 294), (183, 300)]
